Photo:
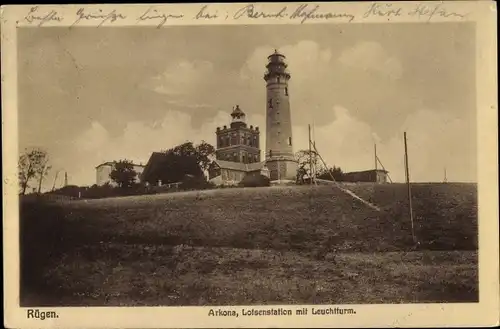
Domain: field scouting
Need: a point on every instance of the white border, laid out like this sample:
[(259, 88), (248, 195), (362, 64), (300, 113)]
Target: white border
[(485, 313)]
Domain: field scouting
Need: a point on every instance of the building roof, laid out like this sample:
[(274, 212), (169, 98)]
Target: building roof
[(239, 166), (276, 53), (111, 163), (366, 171), (155, 160), (237, 112)]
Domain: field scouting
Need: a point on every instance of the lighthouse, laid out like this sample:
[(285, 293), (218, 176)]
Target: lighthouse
[(280, 158)]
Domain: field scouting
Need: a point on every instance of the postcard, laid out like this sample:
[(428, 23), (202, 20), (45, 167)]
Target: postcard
[(250, 165)]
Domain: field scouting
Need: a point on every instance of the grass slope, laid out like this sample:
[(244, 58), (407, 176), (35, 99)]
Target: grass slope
[(256, 245)]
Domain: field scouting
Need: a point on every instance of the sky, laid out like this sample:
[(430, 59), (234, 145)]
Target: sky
[(89, 95)]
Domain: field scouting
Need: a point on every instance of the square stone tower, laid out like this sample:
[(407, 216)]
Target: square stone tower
[(280, 158), (238, 142)]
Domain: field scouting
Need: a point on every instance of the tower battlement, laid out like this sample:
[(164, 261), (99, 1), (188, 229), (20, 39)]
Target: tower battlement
[(238, 142)]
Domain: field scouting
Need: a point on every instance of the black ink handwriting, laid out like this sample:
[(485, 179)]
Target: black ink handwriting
[(383, 10), (99, 15), (305, 12), (153, 14), (250, 12), (34, 16), (203, 14), (431, 11)]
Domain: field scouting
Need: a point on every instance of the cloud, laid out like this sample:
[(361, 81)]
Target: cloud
[(371, 56), (322, 79), (189, 105), (433, 143), (138, 140), (308, 64), (346, 142), (307, 57), (183, 77)]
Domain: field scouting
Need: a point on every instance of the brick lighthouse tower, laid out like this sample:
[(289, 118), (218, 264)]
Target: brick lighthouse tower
[(279, 143)]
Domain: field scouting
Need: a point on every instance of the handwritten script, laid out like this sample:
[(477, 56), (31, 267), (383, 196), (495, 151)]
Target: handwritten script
[(38, 17), (302, 13), (98, 16), (421, 11), (160, 18)]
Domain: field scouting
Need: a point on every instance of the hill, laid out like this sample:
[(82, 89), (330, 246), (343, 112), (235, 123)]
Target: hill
[(232, 236)]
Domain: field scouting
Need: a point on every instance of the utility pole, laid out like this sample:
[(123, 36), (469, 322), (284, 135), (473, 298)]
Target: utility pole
[(375, 146), (316, 156), (55, 179), (278, 163), (407, 171), (310, 158), (445, 178), (65, 178)]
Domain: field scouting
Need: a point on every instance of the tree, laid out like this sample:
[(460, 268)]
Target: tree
[(205, 154), (304, 159), (175, 167), (123, 173), (32, 164), (336, 172), (181, 160)]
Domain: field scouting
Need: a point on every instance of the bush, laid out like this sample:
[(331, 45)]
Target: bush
[(255, 181), (195, 183), (69, 190)]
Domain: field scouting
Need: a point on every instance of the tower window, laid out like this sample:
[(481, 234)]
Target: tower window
[(270, 103), (289, 141), (278, 79), (286, 91)]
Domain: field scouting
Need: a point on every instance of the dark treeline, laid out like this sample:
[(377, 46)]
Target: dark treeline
[(175, 164)]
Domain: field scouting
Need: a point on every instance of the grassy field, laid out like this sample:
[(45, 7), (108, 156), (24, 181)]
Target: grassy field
[(277, 245)]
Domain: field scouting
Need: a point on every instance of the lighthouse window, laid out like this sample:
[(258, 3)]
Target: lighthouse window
[(289, 141), (270, 103), (286, 91)]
